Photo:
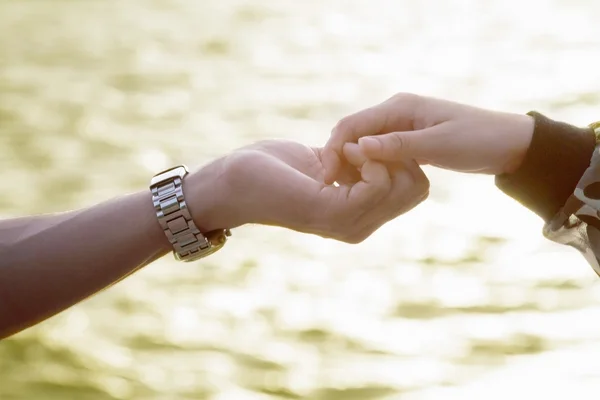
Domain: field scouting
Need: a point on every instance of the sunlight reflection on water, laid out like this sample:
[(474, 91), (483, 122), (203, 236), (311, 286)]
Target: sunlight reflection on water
[(459, 295)]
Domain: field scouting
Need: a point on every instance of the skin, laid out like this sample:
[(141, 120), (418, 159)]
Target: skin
[(51, 262), (437, 132)]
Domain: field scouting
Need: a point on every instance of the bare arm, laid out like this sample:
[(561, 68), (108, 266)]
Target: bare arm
[(48, 263)]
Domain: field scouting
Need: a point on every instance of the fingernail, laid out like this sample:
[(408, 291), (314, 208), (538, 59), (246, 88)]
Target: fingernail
[(369, 143)]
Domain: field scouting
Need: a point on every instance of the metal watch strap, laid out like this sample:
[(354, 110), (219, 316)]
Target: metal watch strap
[(175, 219)]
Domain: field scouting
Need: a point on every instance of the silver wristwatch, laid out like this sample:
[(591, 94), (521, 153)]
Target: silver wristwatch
[(189, 244)]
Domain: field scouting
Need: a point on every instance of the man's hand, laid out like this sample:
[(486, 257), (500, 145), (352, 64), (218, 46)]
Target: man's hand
[(282, 183), (64, 258), (432, 131)]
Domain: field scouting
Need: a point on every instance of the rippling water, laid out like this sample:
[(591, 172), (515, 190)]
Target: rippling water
[(449, 301)]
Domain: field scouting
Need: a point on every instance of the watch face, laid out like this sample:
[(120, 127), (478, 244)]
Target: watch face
[(175, 172)]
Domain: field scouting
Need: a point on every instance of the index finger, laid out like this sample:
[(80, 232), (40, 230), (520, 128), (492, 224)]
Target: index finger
[(394, 114)]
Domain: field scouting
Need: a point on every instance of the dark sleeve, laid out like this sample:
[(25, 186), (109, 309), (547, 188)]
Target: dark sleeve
[(559, 181), (558, 156)]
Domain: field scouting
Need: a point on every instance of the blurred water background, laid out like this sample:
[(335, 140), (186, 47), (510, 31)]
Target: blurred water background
[(461, 298)]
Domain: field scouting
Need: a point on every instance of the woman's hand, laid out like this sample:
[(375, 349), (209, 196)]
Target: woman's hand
[(432, 131)]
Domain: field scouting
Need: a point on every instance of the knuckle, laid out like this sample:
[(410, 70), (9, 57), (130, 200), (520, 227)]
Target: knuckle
[(260, 145), (352, 239), (357, 237), (398, 143), (419, 187), (422, 184), (343, 126), (405, 98)]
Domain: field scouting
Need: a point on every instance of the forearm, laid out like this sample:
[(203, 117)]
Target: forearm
[(49, 263)]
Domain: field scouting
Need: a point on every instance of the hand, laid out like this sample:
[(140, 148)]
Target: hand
[(282, 183), (432, 131)]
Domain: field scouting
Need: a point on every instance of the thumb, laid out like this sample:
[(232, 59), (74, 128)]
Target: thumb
[(420, 144)]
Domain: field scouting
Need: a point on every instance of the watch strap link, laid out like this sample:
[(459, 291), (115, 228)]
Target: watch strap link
[(175, 219)]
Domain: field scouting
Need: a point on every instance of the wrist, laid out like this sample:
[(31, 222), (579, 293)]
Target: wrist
[(520, 129), (207, 195)]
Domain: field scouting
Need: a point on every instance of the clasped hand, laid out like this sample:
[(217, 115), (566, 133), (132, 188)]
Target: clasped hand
[(374, 158)]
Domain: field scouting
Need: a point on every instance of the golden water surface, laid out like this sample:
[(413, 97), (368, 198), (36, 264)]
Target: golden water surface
[(460, 299)]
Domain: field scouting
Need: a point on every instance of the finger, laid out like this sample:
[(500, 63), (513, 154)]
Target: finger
[(390, 207), (421, 144), (354, 155), (410, 186), (348, 174), (391, 115), (374, 186), (394, 114), (332, 162), (366, 122)]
